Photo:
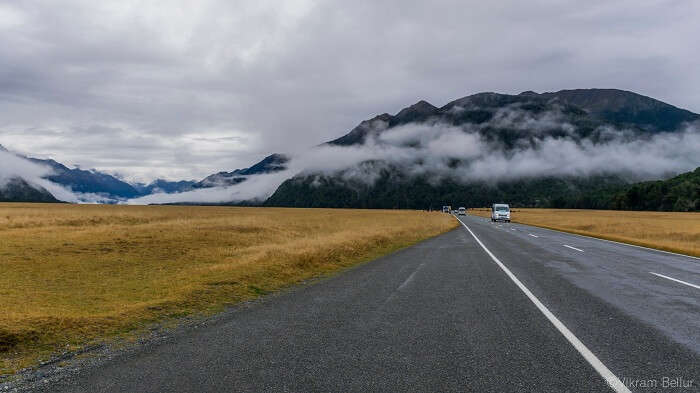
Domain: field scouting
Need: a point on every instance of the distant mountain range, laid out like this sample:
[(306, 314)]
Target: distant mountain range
[(505, 124), (111, 188), (108, 188), (87, 181), (161, 185)]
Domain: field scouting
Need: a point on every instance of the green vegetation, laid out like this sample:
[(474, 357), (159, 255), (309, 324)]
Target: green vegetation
[(681, 193)]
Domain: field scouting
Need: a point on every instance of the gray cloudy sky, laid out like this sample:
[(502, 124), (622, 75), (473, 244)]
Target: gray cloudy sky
[(180, 89)]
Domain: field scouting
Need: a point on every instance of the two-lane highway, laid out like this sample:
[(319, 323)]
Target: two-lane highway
[(657, 287), (484, 308)]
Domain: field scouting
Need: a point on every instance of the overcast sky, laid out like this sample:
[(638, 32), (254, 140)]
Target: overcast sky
[(181, 89)]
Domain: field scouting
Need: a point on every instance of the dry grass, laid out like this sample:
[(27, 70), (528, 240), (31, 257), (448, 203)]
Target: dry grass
[(74, 274), (676, 232)]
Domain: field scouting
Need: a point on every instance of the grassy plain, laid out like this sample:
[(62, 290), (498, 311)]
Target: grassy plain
[(669, 231), (75, 274)]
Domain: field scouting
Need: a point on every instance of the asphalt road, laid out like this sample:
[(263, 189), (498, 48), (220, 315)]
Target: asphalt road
[(445, 316)]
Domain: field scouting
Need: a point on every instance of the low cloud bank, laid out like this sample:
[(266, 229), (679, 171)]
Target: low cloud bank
[(255, 188), (462, 154), (12, 166)]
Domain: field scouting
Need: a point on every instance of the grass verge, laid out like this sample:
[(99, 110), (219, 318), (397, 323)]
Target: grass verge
[(73, 275), (668, 231)]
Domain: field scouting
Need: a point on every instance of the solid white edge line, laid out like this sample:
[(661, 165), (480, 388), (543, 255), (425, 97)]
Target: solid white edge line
[(676, 280), (613, 381), (573, 248)]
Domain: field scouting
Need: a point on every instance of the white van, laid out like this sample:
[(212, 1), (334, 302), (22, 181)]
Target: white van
[(500, 212), (462, 211)]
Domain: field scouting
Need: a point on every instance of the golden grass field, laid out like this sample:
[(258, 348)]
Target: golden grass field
[(669, 231), (75, 274)]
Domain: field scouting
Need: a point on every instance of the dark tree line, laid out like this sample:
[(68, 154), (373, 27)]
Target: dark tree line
[(395, 190)]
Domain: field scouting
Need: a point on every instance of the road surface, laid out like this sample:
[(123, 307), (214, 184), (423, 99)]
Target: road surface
[(484, 308)]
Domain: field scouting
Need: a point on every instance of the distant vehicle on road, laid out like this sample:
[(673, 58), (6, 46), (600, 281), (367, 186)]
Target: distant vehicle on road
[(446, 209), (462, 211), (500, 212)]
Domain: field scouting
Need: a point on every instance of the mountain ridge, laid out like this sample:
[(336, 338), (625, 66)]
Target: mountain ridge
[(629, 110), (642, 116), (626, 108)]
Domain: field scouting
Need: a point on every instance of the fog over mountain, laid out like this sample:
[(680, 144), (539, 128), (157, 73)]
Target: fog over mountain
[(19, 173), (22, 180), (489, 138)]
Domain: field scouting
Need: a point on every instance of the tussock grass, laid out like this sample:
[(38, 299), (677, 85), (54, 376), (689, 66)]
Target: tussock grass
[(72, 274), (668, 231)]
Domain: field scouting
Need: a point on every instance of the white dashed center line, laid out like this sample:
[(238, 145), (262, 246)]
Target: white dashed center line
[(573, 248), (532, 235), (676, 280)]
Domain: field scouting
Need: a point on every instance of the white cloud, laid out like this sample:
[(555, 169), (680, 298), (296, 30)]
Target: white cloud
[(12, 166), (257, 187)]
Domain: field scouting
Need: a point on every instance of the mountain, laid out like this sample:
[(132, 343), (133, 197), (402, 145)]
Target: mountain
[(584, 108), (418, 112), (505, 125), (270, 164), (84, 181), (624, 108), (18, 190), (166, 186), (358, 135), (479, 109)]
